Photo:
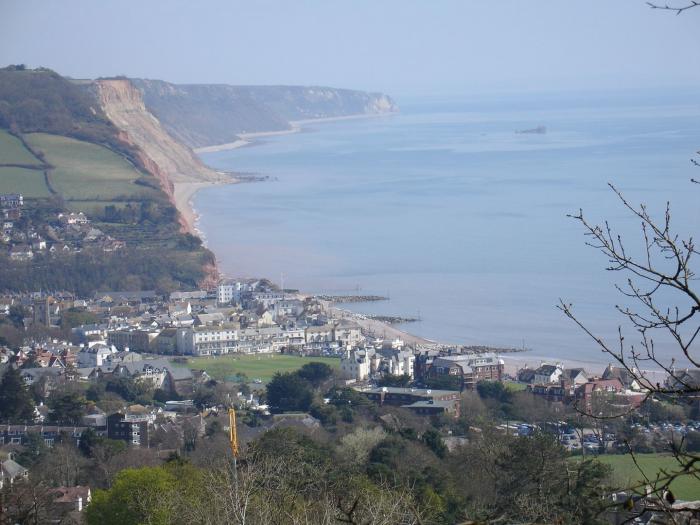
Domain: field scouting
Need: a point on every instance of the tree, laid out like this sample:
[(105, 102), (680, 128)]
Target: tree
[(660, 305), (398, 381), (289, 392), (676, 9), (315, 373), (433, 440), (68, 408), (15, 400), (73, 317), (145, 495), (494, 390)]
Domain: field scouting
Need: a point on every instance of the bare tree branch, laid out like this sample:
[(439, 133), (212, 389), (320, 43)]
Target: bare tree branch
[(677, 10)]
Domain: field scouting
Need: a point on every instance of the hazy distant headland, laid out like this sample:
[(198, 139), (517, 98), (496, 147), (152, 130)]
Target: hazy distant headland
[(201, 115)]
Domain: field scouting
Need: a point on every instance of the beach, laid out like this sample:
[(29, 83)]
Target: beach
[(183, 192), (246, 139)]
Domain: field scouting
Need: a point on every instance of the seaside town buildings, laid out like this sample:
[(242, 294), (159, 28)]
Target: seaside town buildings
[(61, 233), (140, 336)]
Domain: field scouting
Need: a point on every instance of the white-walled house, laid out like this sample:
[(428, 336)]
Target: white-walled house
[(94, 355), (207, 340), (547, 373)]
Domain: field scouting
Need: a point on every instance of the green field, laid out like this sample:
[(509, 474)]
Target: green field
[(262, 366), (514, 386), (30, 183), (85, 171), (627, 474), (12, 151)]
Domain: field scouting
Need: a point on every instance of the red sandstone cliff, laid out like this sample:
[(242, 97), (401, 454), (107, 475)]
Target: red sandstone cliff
[(171, 162)]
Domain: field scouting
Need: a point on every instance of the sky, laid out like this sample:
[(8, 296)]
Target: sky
[(396, 46)]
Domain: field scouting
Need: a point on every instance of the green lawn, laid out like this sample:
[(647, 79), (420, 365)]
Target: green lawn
[(262, 366), (12, 151), (626, 472), (30, 183), (86, 171)]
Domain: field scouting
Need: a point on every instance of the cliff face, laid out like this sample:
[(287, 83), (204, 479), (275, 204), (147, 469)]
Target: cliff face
[(313, 102), (166, 158), (205, 115), (202, 115)]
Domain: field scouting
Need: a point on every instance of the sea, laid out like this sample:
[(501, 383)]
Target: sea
[(458, 219)]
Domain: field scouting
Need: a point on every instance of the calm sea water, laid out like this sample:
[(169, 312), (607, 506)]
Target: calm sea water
[(456, 217)]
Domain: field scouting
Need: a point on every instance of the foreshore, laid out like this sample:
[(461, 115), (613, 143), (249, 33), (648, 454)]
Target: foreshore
[(246, 139), (183, 193)]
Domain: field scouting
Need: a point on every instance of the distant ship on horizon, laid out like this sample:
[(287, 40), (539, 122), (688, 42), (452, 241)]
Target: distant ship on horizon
[(539, 130)]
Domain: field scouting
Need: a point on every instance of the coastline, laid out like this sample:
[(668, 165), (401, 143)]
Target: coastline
[(183, 194), (245, 139)]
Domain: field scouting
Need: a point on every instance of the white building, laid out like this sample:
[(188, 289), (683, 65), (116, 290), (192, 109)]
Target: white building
[(261, 340), (207, 340), (398, 363), (287, 308), (358, 364), (267, 299), (231, 292), (348, 334), (548, 374), (320, 334), (95, 355)]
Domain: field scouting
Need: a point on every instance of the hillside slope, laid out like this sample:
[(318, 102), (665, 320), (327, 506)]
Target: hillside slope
[(125, 108), (60, 148), (209, 114)]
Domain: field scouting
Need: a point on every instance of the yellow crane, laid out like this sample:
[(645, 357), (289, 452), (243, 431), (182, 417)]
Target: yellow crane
[(232, 433)]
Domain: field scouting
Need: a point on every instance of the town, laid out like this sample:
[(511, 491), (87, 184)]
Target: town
[(146, 369)]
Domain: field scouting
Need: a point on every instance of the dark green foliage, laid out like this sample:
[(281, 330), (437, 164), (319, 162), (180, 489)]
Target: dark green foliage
[(384, 459), (91, 271), (326, 414), (17, 315), (88, 440), (213, 428), (315, 373), (16, 405), (34, 449), (347, 397), (162, 396), (535, 483), (444, 382), (130, 390), (397, 381), (433, 440), (76, 317), (494, 390), (289, 392), (189, 242), (68, 408), (95, 391)]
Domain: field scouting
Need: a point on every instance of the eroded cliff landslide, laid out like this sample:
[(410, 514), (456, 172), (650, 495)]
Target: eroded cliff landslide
[(170, 160), (176, 166)]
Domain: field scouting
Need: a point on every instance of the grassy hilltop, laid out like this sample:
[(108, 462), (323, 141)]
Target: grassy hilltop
[(61, 152)]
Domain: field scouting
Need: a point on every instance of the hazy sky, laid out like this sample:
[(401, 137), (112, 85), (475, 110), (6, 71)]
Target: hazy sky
[(398, 46)]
